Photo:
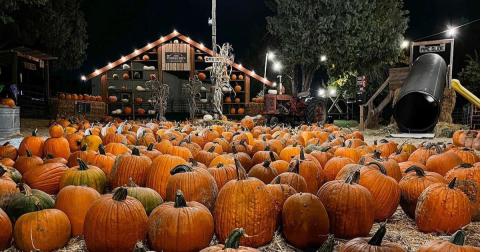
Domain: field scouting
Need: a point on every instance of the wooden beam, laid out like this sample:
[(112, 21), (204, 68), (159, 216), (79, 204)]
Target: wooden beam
[(433, 42), (361, 127), (384, 103), (379, 91), (247, 89)]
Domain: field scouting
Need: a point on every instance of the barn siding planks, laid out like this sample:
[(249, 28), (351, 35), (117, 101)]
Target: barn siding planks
[(180, 48)]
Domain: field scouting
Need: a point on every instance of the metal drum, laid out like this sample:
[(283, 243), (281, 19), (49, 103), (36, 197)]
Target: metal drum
[(9, 121)]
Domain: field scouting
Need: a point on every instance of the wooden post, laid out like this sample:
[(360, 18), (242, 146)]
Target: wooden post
[(47, 87), (104, 92), (214, 27), (192, 61), (362, 119), (160, 60), (247, 89)]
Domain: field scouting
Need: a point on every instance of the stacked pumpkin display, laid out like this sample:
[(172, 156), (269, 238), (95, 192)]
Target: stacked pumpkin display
[(239, 182), (79, 97)]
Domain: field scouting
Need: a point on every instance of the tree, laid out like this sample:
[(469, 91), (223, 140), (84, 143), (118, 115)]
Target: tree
[(354, 35), (57, 27), (470, 75), (9, 6)]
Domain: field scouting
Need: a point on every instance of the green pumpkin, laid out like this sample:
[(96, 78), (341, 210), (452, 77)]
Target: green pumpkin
[(149, 198), (115, 76), (26, 202), (315, 147), (13, 173), (136, 75), (84, 174)]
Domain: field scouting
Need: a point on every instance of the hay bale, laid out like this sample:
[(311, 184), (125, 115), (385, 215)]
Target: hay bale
[(444, 129), (448, 104)]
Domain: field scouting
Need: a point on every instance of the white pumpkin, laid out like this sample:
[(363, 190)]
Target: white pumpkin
[(207, 118), (203, 89)]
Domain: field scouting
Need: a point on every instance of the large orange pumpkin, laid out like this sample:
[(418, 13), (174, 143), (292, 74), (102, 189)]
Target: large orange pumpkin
[(75, 201), (197, 185), (455, 244), (126, 166), (6, 231), (25, 163), (170, 226), (343, 213), (115, 223), (45, 177), (299, 212), (34, 143), (44, 230), (235, 203), (59, 147), (159, 173), (232, 244), (375, 243), (440, 200)]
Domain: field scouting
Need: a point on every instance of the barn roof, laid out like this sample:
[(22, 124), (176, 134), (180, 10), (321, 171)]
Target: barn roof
[(162, 40), (31, 54)]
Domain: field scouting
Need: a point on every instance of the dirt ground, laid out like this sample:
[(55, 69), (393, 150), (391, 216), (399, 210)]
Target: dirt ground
[(400, 229)]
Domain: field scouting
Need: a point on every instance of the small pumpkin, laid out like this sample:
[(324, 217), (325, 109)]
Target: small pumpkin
[(8, 102), (33, 143), (232, 243), (376, 243), (238, 88), (456, 243), (125, 77), (240, 77), (202, 76)]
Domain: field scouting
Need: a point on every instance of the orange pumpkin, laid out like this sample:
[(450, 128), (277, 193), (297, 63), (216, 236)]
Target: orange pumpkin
[(75, 97), (234, 76), (202, 76), (68, 97), (127, 110), (240, 77), (237, 100), (61, 96), (228, 100), (232, 111), (238, 88), (140, 111), (125, 76), (241, 111), (98, 99), (145, 57), (139, 99)]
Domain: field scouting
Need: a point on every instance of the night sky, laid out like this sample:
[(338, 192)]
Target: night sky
[(118, 27)]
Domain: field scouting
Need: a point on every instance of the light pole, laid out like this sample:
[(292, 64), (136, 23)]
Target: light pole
[(269, 55), (214, 27)]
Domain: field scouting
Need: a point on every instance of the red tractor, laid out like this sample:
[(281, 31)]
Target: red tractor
[(301, 109)]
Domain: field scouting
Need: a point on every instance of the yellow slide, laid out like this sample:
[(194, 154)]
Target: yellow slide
[(465, 93)]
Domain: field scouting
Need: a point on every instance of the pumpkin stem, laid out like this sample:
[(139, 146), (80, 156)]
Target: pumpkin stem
[(353, 178), (419, 171), (241, 173), (264, 138), (328, 245), (234, 149), (382, 168), (34, 132), (132, 184), (458, 238), (272, 156), (267, 148), (38, 206), (377, 154), (277, 180), (50, 155), (84, 147), (294, 167), (451, 185), (81, 165), (159, 139), (242, 142), (181, 168), (233, 240), (219, 165), (136, 151), (375, 142), (29, 154), (383, 141), (361, 161), (2, 171), (180, 200), (150, 147), (139, 247), (295, 144), (302, 153), (326, 148), (266, 163), (101, 150), (6, 143), (378, 237), (211, 149), (464, 165), (193, 161), (120, 194), (399, 151), (26, 188)]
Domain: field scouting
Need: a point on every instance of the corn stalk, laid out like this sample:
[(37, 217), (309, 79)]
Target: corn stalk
[(160, 98), (220, 75), (192, 89)]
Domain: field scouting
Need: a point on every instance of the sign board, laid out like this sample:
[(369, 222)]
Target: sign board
[(430, 49), (361, 81), (30, 66), (213, 59), (83, 107), (176, 57)]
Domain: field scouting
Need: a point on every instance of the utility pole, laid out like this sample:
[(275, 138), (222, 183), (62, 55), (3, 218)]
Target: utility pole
[(214, 27)]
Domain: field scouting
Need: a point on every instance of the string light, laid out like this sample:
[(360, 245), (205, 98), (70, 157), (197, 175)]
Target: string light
[(253, 72), (110, 64), (123, 58), (405, 44), (161, 38), (240, 65), (149, 45), (136, 51), (201, 45), (175, 31), (188, 39), (96, 71), (83, 78)]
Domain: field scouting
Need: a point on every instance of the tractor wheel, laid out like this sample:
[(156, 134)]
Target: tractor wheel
[(317, 112), (274, 121)]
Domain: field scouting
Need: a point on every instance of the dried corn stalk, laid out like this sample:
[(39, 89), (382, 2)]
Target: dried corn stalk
[(192, 89), (160, 97), (220, 76)]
